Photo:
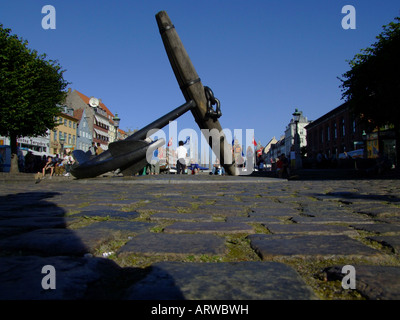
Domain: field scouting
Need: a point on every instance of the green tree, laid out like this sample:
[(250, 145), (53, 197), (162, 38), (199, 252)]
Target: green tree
[(31, 87), (372, 85)]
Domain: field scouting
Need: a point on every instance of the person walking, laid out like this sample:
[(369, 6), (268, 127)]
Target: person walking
[(181, 163)]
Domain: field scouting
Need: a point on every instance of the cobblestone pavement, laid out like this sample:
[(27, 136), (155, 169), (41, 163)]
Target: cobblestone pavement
[(199, 237)]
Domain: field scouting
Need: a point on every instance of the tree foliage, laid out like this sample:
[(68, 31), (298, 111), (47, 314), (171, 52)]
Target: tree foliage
[(372, 85), (31, 87)]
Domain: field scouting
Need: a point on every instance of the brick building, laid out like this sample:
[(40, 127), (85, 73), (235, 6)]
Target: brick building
[(333, 133)]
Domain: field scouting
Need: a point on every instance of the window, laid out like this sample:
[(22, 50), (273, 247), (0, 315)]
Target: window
[(74, 125), (65, 122), (60, 135), (69, 139), (334, 131), (328, 133), (343, 128), (69, 123)]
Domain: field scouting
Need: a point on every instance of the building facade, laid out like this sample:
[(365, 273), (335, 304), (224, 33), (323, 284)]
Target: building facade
[(290, 133), (286, 142), (333, 133), (99, 118), (64, 135), (101, 128), (84, 135)]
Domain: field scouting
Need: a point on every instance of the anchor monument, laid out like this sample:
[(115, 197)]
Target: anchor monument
[(130, 155)]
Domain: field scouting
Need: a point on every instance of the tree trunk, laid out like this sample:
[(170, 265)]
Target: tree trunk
[(397, 137), (14, 153)]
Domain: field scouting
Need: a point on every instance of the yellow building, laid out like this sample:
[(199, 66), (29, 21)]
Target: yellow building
[(64, 135)]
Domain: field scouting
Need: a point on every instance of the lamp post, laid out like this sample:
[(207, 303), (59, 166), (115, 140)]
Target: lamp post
[(116, 125), (365, 151), (296, 117), (62, 140)]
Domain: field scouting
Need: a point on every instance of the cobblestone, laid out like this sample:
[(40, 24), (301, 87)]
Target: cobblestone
[(199, 237)]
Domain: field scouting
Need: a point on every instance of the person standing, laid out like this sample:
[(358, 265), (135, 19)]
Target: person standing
[(68, 162), (99, 149), (181, 163), (93, 149)]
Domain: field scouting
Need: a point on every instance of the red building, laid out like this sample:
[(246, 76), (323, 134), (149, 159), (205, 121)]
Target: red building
[(335, 132)]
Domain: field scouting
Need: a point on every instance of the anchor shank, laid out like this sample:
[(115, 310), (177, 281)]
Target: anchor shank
[(162, 121), (191, 86)]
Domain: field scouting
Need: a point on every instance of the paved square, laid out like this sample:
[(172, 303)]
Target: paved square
[(269, 246), (174, 244), (221, 281)]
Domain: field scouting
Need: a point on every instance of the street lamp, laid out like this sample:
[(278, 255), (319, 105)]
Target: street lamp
[(116, 125), (364, 138), (296, 118), (62, 140)]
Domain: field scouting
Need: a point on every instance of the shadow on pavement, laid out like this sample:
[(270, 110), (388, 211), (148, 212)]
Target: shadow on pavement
[(34, 234)]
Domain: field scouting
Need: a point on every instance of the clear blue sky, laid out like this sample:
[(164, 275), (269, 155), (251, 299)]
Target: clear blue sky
[(262, 58)]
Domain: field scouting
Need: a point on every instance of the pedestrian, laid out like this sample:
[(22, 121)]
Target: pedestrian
[(155, 163), (285, 166), (181, 163), (99, 149), (68, 162), (93, 149), (279, 166)]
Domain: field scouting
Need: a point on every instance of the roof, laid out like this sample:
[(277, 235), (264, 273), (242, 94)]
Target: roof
[(102, 105), (327, 116), (67, 116), (78, 114)]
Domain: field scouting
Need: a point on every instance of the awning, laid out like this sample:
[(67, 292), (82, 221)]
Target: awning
[(101, 120), (100, 132)]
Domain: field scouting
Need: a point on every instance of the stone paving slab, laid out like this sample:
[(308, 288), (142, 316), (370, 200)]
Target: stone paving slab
[(30, 223), (331, 218), (377, 210), (107, 212), (227, 211), (221, 281), (378, 228), (181, 216), (125, 228), (311, 229), (388, 241), (274, 212), (29, 211), (209, 227), (21, 277), (373, 282), (269, 246), (252, 219), (174, 244), (56, 242)]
